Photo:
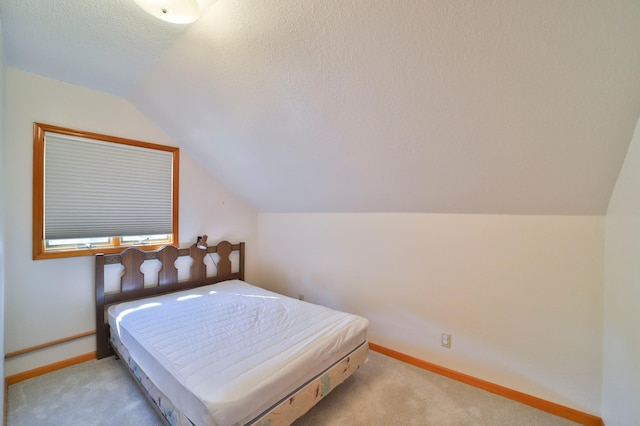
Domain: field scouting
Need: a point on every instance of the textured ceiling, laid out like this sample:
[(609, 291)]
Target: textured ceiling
[(497, 107), (101, 44)]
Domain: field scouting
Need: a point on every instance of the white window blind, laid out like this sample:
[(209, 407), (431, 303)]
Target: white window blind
[(104, 189)]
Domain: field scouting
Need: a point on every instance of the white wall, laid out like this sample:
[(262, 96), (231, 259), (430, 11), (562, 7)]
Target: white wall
[(521, 295), (621, 376), (52, 299), (2, 208)]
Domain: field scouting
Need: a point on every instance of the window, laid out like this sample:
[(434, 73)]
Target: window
[(97, 193)]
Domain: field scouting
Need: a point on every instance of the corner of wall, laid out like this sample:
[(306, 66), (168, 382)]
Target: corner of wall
[(621, 342), (2, 213)]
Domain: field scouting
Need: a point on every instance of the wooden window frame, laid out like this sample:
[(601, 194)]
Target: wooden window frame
[(38, 241)]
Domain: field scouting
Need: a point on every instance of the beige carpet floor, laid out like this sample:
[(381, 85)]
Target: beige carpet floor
[(382, 392)]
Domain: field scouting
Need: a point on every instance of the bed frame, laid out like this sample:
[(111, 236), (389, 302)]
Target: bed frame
[(132, 287), (132, 282)]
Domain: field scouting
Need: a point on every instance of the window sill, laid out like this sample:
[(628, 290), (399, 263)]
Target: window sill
[(58, 254)]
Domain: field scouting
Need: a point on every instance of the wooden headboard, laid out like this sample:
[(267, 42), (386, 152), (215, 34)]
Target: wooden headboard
[(132, 280)]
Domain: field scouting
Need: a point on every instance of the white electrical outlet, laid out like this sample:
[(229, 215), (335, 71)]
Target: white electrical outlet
[(445, 340)]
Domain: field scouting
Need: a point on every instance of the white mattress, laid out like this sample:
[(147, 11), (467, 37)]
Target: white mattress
[(226, 353)]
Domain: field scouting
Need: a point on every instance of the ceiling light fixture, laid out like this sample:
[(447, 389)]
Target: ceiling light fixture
[(174, 11)]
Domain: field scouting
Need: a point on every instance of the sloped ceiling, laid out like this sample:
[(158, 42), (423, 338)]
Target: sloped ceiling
[(503, 107)]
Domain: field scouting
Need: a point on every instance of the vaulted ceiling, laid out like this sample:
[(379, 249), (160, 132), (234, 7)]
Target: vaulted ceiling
[(504, 107)]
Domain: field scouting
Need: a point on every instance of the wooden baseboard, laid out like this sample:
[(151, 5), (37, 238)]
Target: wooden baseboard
[(532, 401), (26, 375)]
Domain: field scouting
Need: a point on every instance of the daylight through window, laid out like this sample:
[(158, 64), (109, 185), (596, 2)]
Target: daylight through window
[(98, 193)]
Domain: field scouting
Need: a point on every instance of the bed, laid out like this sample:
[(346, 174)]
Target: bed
[(216, 350)]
